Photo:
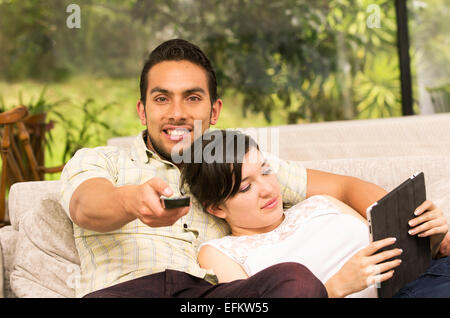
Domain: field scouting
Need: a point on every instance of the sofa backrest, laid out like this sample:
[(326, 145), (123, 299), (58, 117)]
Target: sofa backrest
[(389, 172), (417, 135)]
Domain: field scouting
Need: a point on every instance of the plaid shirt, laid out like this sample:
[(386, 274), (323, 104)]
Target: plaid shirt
[(135, 249)]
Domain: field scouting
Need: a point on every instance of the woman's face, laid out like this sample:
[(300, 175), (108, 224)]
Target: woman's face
[(258, 206)]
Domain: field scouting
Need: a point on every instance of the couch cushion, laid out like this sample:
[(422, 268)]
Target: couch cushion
[(24, 195), (46, 262)]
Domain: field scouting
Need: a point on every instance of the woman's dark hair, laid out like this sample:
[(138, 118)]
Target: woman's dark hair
[(178, 50), (217, 176)]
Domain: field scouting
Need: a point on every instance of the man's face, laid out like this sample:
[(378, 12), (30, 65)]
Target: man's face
[(177, 95)]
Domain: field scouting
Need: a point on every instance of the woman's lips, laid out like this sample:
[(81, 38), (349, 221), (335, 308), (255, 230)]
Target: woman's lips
[(271, 204)]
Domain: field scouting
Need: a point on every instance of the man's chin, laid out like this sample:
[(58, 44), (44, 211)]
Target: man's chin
[(172, 153), (168, 149)]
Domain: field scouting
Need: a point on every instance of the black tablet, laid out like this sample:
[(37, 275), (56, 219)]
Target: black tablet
[(389, 218)]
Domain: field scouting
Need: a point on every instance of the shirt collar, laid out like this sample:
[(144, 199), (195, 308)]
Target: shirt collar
[(140, 151)]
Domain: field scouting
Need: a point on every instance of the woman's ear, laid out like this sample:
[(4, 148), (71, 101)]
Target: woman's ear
[(216, 210)]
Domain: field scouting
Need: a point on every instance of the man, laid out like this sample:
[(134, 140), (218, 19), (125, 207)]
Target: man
[(129, 245)]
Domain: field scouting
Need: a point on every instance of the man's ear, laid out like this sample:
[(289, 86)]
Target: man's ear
[(140, 107), (216, 211), (215, 111)]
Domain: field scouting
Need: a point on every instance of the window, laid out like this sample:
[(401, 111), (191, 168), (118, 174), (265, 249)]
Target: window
[(282, 61), (430, 52)]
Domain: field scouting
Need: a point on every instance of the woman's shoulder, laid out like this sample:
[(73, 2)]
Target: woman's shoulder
[(227, 245), (223, 244)]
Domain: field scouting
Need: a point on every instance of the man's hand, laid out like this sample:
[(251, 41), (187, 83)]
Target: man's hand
[(146, 204), (430, 221)]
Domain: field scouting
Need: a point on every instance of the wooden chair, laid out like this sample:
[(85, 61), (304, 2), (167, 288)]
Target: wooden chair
[(19, 162)]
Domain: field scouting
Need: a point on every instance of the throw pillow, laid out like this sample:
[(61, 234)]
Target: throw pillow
[(46, 262)]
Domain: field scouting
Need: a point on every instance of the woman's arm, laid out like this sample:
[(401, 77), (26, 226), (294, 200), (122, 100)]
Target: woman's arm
[(356, 193), (224, 267)]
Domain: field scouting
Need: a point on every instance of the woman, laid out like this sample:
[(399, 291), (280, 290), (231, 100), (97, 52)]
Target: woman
[(327, 236)]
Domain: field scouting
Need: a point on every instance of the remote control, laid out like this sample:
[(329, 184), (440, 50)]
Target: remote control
[(176, 202)]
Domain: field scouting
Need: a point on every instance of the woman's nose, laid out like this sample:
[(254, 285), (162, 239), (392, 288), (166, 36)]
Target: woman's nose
[(266, 189)]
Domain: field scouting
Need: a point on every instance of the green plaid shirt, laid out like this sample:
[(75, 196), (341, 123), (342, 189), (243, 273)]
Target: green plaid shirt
[(136, 250)]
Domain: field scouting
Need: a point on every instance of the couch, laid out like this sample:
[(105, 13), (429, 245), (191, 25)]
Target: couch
[(38, 257)]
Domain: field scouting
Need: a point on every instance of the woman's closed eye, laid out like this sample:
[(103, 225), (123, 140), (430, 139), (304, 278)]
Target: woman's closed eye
[(245, 188), (266, 170)]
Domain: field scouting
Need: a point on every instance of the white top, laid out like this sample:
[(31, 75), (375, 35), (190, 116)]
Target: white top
[(314, 233)]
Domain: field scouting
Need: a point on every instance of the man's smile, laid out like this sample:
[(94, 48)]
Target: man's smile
[(176, 133)]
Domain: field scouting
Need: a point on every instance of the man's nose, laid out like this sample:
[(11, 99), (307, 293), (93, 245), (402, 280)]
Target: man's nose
[(177, 110)]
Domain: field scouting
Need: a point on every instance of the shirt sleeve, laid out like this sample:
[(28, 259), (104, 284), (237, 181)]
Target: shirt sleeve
[(87, 163), (292, 178)]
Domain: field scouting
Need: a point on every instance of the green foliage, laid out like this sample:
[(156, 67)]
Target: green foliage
[(297, 52), (320, 60), (378, 89), (42, 104), (85, 127)]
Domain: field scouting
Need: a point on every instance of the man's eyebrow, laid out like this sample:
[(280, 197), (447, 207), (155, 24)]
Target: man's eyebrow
[(159, 90), (194, 90)]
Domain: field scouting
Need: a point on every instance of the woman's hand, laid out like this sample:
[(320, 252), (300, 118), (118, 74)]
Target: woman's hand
[(430, 221), (364, 269)]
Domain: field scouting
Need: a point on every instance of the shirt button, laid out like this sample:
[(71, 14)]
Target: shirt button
[(185, 226)]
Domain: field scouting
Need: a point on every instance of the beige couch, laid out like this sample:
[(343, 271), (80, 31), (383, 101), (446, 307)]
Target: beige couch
[(38, 254)]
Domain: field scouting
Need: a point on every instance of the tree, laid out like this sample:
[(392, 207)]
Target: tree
[(309, 57)]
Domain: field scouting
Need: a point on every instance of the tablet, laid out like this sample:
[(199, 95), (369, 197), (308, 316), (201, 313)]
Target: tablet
[(389, 218)]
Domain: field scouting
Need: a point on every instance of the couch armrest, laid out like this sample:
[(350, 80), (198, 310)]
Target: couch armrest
[(8, 242)]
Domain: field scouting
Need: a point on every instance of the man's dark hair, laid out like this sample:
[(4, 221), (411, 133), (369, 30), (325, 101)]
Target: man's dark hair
[(212, 183), (178, 50)]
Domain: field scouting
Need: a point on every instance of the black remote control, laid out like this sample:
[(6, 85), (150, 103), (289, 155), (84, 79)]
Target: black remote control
[(176, 202)]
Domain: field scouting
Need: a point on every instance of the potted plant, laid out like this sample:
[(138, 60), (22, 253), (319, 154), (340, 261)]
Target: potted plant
[(38, 128)]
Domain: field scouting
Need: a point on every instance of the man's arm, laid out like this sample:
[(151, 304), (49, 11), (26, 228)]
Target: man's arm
[(98, 205), (357, 193)]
